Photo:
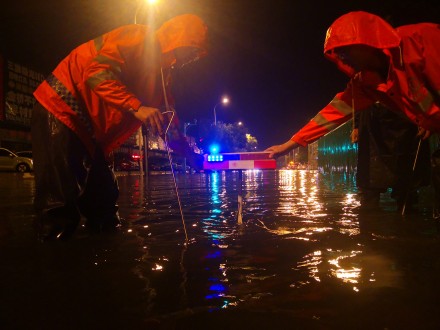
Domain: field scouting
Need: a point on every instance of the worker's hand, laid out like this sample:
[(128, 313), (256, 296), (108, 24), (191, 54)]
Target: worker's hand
[(354, 135), (152, 118), (423, 133), (281, 149)]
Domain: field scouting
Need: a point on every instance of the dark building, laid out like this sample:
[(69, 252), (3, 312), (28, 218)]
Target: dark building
[(17, 83)]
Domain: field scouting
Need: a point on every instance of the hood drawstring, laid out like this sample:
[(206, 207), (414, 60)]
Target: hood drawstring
[(352, 105), (401, 55), (351, 83)]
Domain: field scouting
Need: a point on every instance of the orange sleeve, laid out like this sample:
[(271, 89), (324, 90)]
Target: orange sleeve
[(334, 114)]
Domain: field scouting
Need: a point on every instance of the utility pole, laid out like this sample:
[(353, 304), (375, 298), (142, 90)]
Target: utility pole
[(185, 126)]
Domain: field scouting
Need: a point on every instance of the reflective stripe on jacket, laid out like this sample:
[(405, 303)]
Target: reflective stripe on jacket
[(413, 83)]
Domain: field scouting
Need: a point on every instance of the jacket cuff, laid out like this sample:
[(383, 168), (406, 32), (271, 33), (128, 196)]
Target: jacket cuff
[(132, 105)]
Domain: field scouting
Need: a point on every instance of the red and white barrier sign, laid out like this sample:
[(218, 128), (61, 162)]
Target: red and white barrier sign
[(239, 161)]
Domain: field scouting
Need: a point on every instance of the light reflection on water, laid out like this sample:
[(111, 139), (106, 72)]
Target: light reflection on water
[(300, 230), (303, 258)]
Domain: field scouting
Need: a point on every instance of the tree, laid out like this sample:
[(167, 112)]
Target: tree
[(251, 143), (229, 137)]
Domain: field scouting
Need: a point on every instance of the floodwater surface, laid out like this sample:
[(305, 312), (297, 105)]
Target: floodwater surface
[(304, 258)]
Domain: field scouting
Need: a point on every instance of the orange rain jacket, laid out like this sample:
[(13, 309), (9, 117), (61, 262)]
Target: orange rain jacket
[(413, 83), (94, 88)]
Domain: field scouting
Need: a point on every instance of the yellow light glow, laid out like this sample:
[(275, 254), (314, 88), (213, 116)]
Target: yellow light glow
[(158, 267)]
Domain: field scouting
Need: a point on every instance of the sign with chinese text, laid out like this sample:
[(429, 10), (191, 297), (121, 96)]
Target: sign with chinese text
[(19, 82)]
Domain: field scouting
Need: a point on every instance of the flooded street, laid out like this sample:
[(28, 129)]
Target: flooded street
[(304, 258)]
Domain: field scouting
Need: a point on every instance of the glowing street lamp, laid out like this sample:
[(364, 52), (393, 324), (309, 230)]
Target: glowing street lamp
[(141, 4), (224, 101)]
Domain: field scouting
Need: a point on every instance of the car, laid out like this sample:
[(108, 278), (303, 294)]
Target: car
[(27, 153), (12, 162), (154, 167), (126, 165), (125, 161)]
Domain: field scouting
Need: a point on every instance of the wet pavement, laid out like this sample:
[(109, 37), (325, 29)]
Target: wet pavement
[(304, 258)]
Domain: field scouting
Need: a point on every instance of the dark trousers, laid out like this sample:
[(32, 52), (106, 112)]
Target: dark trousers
[(435, 160), (70, 183), (387, 147)]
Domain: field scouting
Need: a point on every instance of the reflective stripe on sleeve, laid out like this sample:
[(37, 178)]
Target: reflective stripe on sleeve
[(427, 102), (100, 77), (339, 105), (98, 43), (114, 65), (343, 107), (323, 122), (111, 74)]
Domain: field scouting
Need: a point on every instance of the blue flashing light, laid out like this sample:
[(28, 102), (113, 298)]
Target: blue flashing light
[(217, 288), (214, 149), (213, 255), (215, 158)]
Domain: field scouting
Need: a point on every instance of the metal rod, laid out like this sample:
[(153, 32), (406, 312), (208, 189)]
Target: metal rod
[(170, 159), (412, 175), (240, 198)]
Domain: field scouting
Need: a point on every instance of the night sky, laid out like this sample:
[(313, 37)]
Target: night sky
[(267, 56)]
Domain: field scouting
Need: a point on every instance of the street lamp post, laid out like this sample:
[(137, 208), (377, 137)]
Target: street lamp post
[(143, 139), (224, 101), (185, 126)]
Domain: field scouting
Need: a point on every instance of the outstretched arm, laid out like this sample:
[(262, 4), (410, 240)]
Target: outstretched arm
[(281, 149)]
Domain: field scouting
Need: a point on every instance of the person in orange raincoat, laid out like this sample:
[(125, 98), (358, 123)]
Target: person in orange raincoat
[(400, 68), (95, 99)]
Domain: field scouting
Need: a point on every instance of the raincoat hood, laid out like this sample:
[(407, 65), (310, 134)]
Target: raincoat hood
[(356, 28), (183, 31)]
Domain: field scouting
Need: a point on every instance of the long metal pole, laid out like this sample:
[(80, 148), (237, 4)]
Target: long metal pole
[(140, 141), (412, 176), (240, 198), (185, 125), (146, 156)]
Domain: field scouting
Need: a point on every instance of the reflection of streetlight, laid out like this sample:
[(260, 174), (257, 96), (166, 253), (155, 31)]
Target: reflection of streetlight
[(224, 101)]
